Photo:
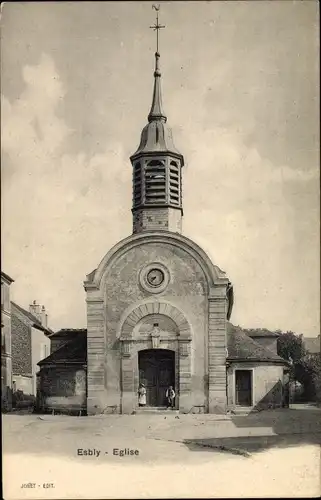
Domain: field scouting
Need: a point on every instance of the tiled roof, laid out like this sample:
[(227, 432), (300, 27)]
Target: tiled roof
[(242, 347), (74, 351), (35, 321), (312, 344), (260, 333), (68, 331), (253, 332)]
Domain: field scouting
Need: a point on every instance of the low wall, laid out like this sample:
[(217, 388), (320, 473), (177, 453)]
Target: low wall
[(23, 383)]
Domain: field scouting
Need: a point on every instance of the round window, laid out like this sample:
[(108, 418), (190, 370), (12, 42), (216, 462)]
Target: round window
[(154, 277)]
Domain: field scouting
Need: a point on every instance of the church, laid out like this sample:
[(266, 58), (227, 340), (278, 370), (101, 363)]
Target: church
[(157, 306), (158, 310)]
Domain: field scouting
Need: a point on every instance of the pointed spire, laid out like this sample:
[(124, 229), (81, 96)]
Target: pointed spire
[(156, 111), (156, 136)]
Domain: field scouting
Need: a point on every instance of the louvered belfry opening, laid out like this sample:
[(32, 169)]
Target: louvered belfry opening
[(137, 184), (157, 182), (174, 183)]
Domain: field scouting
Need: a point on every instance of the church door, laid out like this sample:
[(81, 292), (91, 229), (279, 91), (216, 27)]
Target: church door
[(243, 387), (157, 373)]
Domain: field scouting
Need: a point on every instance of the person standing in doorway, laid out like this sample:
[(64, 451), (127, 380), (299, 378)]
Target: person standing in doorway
[(141, 395), (170, 396)]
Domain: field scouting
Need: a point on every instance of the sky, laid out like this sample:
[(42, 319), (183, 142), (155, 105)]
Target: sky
[(241, 92)]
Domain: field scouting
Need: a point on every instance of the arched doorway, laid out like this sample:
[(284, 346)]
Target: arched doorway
[(157, 372)]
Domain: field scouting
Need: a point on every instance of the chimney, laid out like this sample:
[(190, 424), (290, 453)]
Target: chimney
[(34, 308), (44, 317)]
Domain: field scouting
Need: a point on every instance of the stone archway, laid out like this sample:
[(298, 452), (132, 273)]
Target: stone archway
[(146, 308), (133, 341)]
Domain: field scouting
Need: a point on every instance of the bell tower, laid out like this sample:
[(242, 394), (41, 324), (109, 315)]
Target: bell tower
[(157, 167)]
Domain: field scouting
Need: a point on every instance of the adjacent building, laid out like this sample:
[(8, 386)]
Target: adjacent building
[(63, 374), (30, 344), (257, 377), (6, 348)]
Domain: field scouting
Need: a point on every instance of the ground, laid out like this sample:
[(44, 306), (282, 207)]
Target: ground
[(272, 453)]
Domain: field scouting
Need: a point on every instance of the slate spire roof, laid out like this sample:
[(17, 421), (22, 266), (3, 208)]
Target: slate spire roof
[(156, 111), (156, 136)]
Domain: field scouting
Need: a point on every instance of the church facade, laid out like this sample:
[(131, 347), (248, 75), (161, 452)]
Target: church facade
[(157, 307), (158, 313)]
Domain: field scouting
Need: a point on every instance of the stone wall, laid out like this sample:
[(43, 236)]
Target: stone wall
[(23, 383), (21, 346), (169, 219)]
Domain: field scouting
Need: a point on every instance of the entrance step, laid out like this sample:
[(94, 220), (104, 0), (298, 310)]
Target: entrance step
[(242, 410), (156, 410)]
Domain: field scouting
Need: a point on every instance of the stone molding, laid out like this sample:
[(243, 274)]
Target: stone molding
[(135, 313), (130, 347), (214, 275)]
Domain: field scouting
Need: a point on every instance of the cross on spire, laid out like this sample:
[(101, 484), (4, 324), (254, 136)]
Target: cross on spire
[(156, 113), (156, 27)]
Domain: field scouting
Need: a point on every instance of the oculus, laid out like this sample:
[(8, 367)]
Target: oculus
[(154, 277)]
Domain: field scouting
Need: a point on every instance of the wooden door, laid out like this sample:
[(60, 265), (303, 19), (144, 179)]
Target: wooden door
[(157, 373), (148, 376), (243, 387), (165, 379)]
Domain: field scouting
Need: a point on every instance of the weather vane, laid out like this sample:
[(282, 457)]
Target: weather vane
[(156, 27)]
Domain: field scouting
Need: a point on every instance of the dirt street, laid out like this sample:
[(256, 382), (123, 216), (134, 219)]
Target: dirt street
[(269, 454)]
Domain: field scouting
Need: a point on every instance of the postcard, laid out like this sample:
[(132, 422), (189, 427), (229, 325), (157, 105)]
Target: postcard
[(160, 291)]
